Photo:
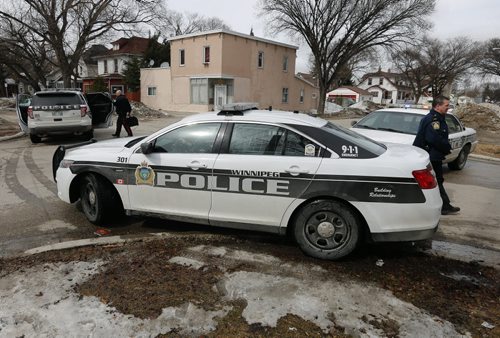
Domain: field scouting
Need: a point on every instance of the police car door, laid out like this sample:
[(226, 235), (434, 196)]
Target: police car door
[(22, 103), (261, 170), (457, 135), (172, 179)]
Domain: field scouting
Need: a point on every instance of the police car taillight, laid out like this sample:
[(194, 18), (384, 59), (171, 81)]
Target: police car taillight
[(83, 110), (30, 112), (425, 178)]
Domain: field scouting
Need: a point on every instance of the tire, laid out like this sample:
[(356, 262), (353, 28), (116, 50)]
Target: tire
[(35, 138), (327, 229), (459, 162), (99, 200)]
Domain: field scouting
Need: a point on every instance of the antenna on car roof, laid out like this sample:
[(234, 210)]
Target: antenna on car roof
[(237, 108)]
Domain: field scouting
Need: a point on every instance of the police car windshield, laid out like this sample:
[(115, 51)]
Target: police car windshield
[(393, 121), (355, 138)]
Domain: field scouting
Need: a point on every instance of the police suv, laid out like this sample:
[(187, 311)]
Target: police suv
[(279, 172)]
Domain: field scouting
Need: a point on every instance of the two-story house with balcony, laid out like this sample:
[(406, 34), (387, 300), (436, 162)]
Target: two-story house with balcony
[(210, 69), (387, 87), (110, 64)]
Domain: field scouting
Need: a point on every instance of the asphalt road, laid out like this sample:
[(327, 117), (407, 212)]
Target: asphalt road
[(31, 215)]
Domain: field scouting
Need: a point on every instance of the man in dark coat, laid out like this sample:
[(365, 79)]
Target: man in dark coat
[(432, 136), (123, 108)]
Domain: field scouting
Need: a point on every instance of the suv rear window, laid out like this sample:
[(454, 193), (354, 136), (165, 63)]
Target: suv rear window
[(56, 99)]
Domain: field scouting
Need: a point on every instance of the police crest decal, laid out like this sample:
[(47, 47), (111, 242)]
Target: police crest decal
[(144, 175)]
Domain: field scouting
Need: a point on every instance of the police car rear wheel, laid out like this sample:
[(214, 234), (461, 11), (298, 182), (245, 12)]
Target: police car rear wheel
[(326, 229), (95, 198)]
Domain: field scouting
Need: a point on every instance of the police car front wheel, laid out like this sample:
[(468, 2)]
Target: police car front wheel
[(327, 229), (97, 199)]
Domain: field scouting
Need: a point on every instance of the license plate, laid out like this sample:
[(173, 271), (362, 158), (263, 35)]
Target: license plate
[(57, 113)]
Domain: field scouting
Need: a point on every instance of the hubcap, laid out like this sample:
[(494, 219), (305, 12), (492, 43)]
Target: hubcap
[(326, 229), (92, 198)]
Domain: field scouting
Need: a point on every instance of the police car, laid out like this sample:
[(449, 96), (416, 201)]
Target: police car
[(400, 125), (280, 172)]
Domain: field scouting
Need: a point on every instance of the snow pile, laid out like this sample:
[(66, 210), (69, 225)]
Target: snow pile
[(7, 102), (479, 116), (140, 110)]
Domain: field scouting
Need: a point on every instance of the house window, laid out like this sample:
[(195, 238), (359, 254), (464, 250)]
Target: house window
[(182, 56), (285, 63), (151, 91), (381, 81), (301, 99), (260, 60), (199, 91), (80, 70), (284, 95), (114, 88), (105, 66), (115, 61), (374, 94), (206, 54), (370, 81)]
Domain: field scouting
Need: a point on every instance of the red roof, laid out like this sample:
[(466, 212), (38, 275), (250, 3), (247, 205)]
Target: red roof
[(133, 45)]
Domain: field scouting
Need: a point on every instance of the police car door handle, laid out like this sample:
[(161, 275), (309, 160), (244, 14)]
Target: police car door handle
[(195, 165), (295, 170)]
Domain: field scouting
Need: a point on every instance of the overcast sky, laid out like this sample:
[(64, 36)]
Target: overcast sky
[(477, 19)]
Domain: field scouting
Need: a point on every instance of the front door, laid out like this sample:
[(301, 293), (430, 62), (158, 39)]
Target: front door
[(174, 178), (22, 104), (220, 96)]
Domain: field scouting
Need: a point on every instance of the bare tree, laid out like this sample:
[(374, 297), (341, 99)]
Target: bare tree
[(68, 26), (489, 63), (175, 23), (409, 62), (338, 30)]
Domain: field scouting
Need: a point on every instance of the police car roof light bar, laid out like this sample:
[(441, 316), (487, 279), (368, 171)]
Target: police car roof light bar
[(237, 108)]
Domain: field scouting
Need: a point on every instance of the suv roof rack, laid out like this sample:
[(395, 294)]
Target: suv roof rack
[(237, 108)]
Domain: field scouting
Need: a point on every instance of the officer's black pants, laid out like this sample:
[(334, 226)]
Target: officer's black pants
[(438, 169), (122, 120)]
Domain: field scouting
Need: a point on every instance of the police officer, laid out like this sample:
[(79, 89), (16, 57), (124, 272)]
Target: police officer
[(123, 108), (432, 136)]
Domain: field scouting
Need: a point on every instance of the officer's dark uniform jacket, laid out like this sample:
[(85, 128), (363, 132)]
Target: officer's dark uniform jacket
[(122, 105), (432, 136)]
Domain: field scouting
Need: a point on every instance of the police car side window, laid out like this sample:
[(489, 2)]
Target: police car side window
[(195, 138), (453, 124), (255, 139), (297, 145)]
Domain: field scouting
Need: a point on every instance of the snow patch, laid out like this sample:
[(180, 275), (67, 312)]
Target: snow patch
[(55, 225), (184, 261)]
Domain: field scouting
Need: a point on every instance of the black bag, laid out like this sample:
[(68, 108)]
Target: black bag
[(132, 121)]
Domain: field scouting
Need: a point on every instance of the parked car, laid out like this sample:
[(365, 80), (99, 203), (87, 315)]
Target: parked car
[(63, 111), (400, 125), (280, 172)]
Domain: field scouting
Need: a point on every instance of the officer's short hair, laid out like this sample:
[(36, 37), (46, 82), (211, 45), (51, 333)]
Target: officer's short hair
[(439, 100)]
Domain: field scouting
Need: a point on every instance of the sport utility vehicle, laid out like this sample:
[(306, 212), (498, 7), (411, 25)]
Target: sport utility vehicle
[(63, 111)]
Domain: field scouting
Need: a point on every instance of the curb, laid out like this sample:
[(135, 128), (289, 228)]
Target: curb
[(10, 137), (483, 157), (93, 241)]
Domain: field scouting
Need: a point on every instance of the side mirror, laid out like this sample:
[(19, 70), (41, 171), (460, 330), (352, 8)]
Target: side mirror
[(147, 148), (353, 123)]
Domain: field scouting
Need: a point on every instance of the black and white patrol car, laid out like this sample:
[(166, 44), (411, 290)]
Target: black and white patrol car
[(279, 172), (400, 125)]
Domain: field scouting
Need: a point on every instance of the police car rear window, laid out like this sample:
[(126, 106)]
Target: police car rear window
[(56, 99), (344, 142)]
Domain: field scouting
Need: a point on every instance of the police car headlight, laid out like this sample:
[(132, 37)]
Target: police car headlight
[(66, 163)]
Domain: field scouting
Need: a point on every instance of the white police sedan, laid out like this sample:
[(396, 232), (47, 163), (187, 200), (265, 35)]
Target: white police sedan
[(400, 125), (279, 172)]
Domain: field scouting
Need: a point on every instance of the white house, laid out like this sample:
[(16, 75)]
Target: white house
[(387, 87)]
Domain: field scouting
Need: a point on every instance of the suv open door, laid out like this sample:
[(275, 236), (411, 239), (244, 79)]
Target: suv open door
[(102, 108), (22, 103)]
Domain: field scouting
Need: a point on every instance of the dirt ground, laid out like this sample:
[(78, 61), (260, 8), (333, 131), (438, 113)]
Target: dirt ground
[(140, 280)]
